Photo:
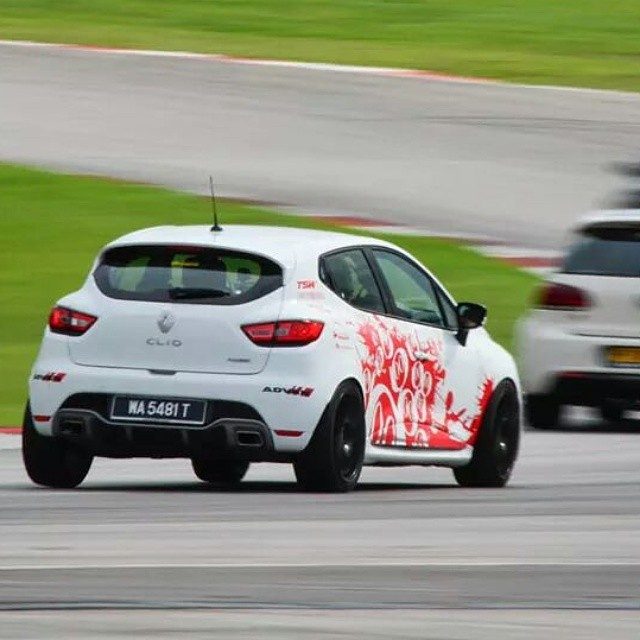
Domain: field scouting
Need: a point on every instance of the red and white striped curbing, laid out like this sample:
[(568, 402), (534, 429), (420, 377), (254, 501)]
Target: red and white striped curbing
[(538, 261), (10, 438), (327, 67), (393, 72)]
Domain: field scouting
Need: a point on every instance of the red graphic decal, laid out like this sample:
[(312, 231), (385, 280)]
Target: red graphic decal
[(306, 284), (406, 396)]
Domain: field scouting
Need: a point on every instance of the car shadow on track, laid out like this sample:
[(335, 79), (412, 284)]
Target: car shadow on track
[(254, 487)]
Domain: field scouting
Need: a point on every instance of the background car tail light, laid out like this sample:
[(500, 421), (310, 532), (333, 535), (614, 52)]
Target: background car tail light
[(70, 322), (553, 295), (289, 333)]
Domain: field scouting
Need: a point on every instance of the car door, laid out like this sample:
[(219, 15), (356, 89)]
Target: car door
[(434, 384)]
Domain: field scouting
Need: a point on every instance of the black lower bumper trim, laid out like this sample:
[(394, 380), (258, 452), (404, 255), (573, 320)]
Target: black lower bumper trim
[(228, 438), (592, 389)]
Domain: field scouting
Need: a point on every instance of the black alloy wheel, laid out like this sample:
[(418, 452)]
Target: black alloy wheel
[(219, 472), (50, 461), (498, 442), (332, 461)]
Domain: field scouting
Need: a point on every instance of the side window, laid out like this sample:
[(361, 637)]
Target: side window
[(349, 275), (412, 291)]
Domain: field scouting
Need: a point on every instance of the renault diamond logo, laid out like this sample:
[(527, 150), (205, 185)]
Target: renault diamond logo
[(166, 322)]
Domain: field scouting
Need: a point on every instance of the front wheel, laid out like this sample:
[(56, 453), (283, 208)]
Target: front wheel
[(496, 448), (333, 459), (50, 461), (222, 472)]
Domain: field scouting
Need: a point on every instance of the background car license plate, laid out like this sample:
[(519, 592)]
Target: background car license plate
[(137, 409), (624, 356)]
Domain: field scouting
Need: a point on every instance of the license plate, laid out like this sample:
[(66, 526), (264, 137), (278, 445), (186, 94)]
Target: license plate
[(624, 356), (136, 409)]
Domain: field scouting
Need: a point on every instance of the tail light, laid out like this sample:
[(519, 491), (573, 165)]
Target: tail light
[(554, 295), (70, 322), (284, 333)]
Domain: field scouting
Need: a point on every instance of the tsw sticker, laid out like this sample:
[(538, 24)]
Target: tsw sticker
[(305, 392)]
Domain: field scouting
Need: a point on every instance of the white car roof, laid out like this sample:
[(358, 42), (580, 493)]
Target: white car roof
[(615, 218), (283, 244)]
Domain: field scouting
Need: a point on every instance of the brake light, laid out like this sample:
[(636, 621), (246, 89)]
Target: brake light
[(70, 322), (284, 333), (554, 295)]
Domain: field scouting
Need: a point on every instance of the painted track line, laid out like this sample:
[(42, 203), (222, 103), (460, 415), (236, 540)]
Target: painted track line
[(318, 565)]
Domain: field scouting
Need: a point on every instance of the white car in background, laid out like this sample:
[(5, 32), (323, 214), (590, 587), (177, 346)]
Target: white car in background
[(581, 344), (324, 350)]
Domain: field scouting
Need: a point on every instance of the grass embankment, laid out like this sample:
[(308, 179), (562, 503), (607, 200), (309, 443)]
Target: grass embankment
[(52, 226), (573, 42)]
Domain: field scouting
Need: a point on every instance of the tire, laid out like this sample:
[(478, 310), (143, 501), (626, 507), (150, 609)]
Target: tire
[(612, 413), (52, 462), (333, 459), (220, 472), (542, 411), (496, 448)]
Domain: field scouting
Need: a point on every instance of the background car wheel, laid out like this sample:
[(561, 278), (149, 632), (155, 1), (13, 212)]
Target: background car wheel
[(52, 462), (612, 412), (496, 448), (542, 411), (224, 472), (333, 459)]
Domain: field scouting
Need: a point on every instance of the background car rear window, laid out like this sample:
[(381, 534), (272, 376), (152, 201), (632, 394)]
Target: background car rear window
[(349, 275), (609, 253), (194, 275)]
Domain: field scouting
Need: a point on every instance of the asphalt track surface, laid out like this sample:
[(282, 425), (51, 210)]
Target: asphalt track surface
[(141, 549), (517, 163)]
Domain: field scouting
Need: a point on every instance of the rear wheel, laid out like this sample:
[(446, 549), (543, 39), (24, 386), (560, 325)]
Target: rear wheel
[(222, 472), (496, 448), (333, 459), (50, 461), (542, 411)]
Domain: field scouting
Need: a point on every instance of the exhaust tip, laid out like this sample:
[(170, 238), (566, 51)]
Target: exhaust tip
[(73, 427), (249, 438)]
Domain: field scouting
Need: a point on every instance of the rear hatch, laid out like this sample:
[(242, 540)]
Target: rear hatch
[(180, 308), (605, 264)]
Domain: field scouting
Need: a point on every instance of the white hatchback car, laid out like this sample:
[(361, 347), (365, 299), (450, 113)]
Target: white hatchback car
[(581, 344), (325, 350)]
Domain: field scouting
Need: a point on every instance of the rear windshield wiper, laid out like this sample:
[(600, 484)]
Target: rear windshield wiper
[(184, 293)]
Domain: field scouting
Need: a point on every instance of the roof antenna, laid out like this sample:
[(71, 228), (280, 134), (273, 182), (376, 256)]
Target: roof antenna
[(216, 226)]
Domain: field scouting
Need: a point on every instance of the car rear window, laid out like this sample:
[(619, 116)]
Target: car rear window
[(185, 274), (605, 252)]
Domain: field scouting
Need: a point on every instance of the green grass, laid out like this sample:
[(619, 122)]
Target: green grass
[(575, 42), (52, 226)]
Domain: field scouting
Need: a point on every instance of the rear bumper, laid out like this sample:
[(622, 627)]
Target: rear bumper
[(548, 354), (291, 418)]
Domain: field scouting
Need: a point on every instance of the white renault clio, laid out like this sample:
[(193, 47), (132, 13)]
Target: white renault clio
[(324, 350)]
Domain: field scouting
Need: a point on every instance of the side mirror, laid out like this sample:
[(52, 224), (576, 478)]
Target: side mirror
[(470, 316)]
